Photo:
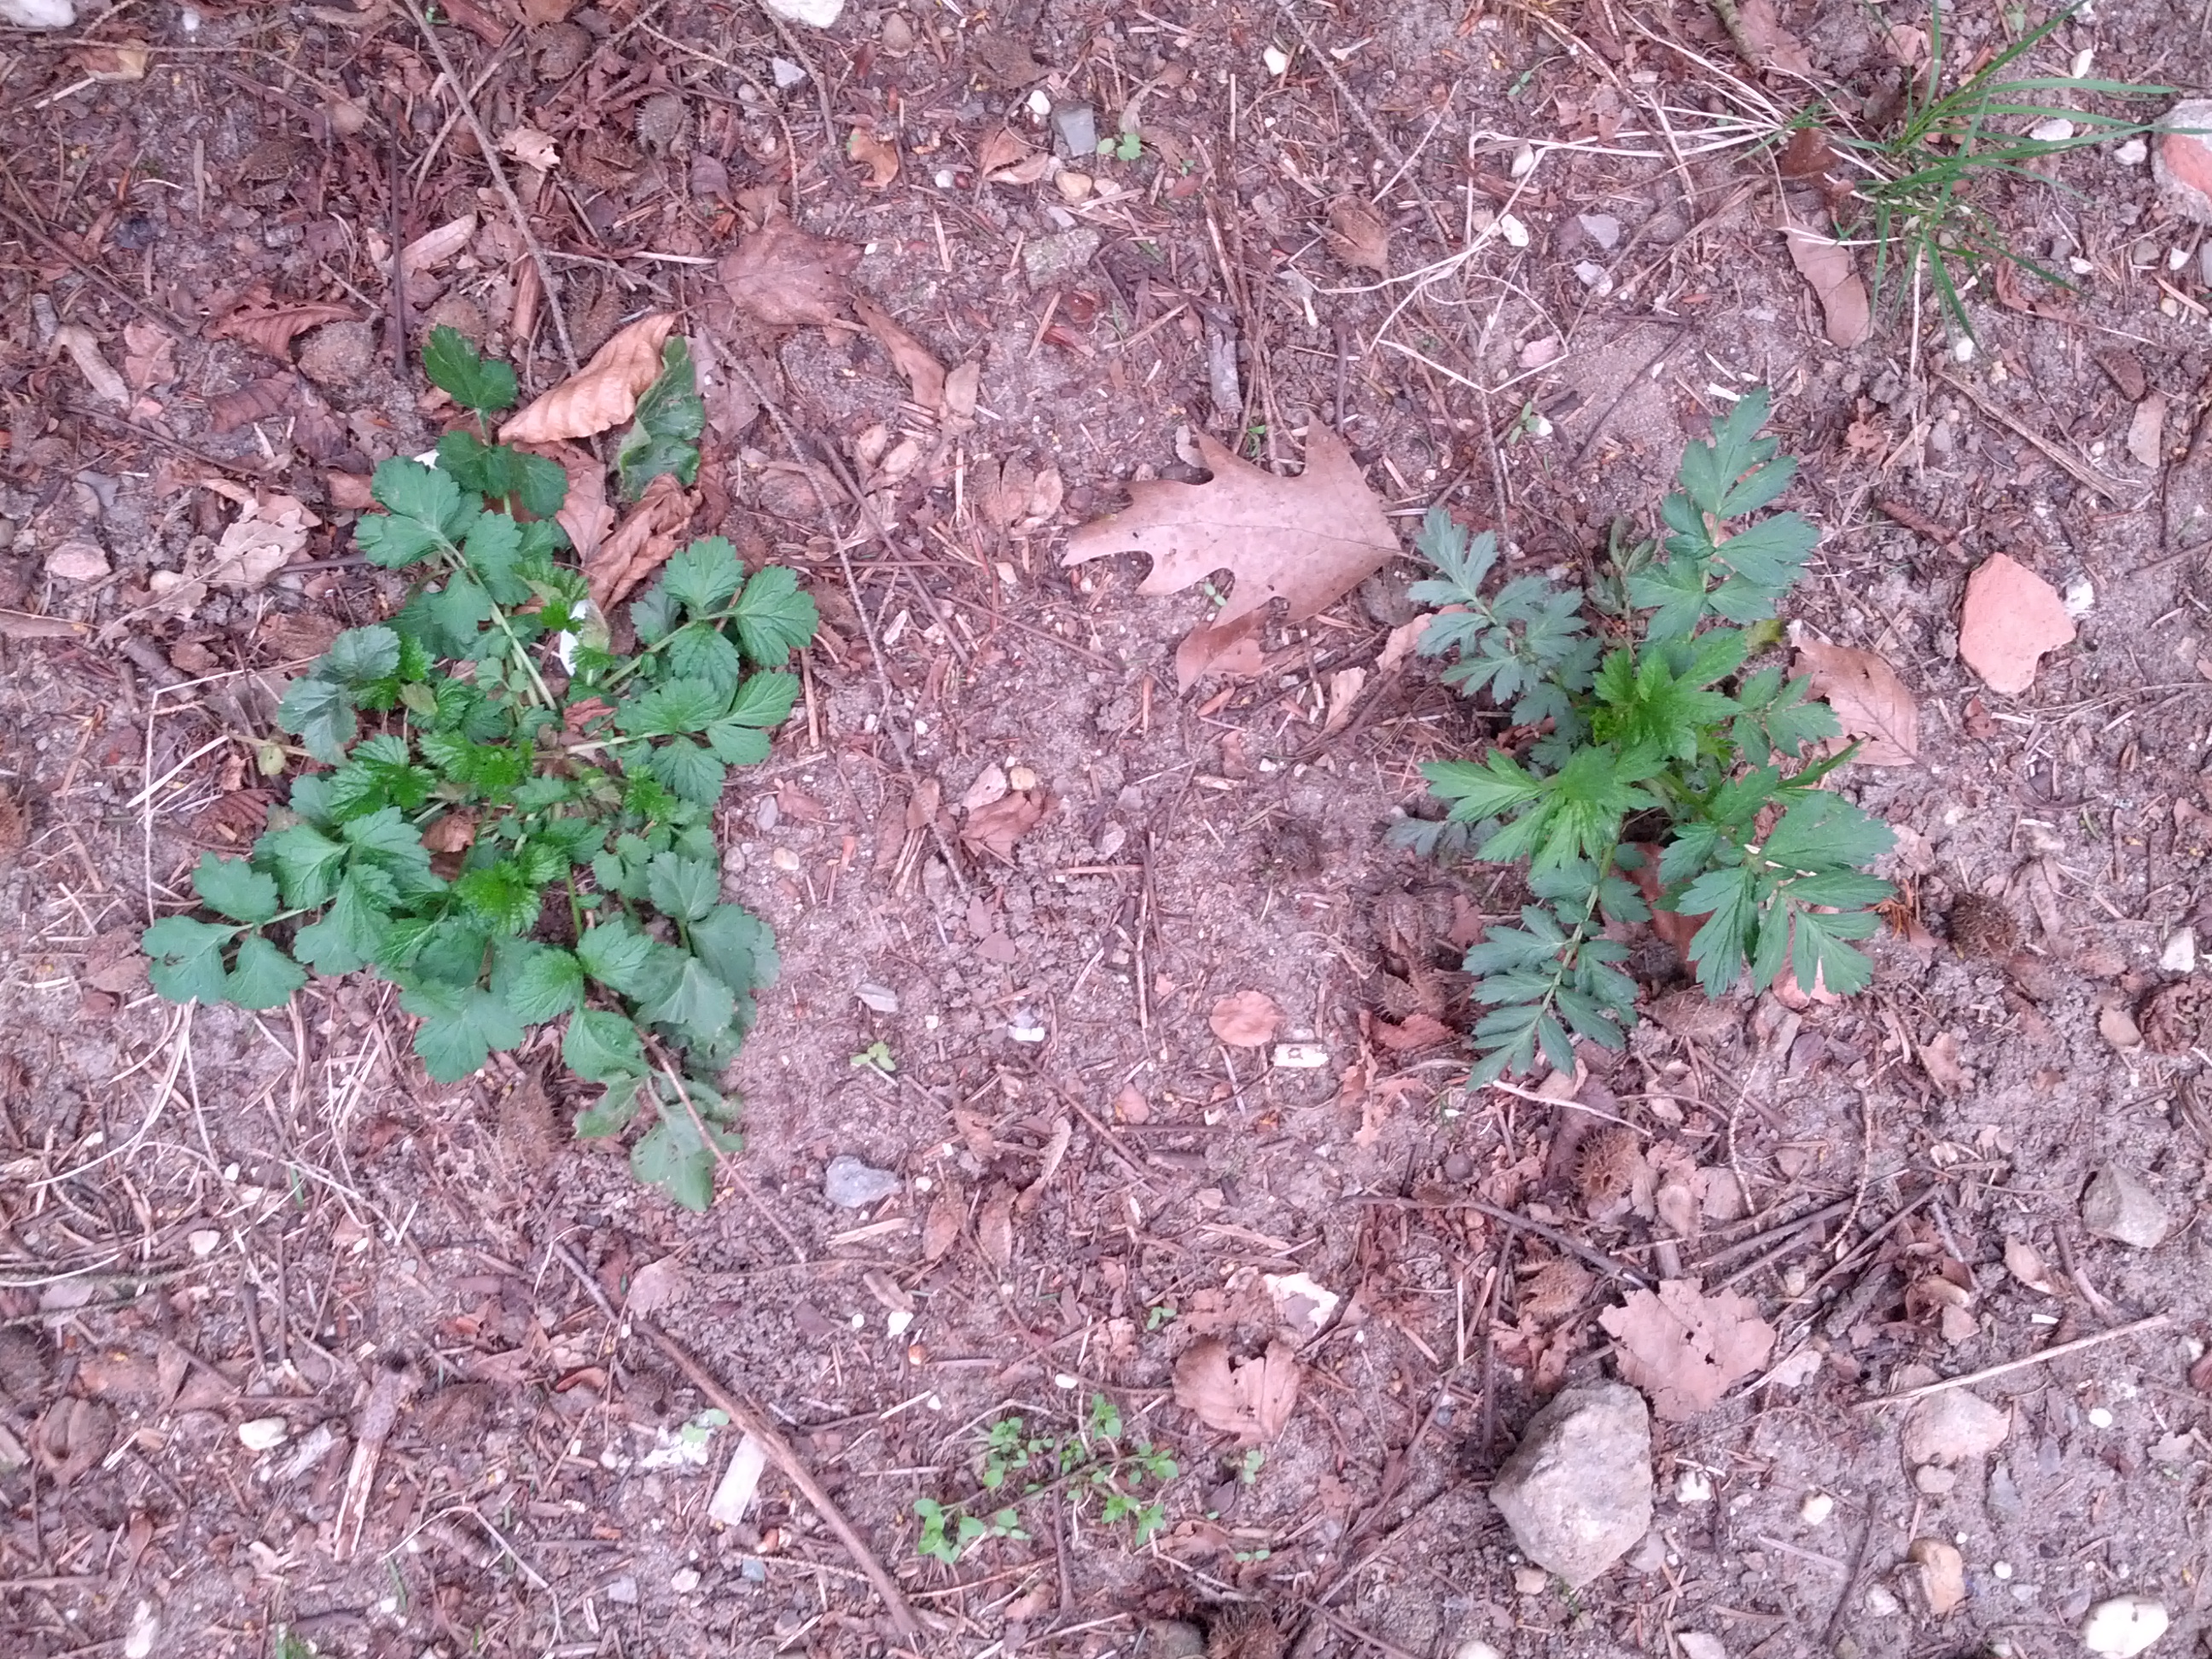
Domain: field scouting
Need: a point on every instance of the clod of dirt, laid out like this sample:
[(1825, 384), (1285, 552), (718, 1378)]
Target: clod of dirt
[(1946, 1428), (1981, 926), (2177, 1017), (1942, 1573), (562, 49), (1249, 1019), (338, 354), (26, 1364), (1576, 1492), (2126, 1625), (1694, 1016), (462, 314), (1171, 1638), (2117, 1206), (1050, 261)]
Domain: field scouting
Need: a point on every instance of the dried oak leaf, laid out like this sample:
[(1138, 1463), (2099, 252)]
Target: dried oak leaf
[(1248, 1020), (2010, 618), (604, 393), (259, 321), (149, 355), (260, 541), (1358, 235), (585, 512), (1826, 264), (1775, 47), (879, 156), (995, 1227), (1419, 1030), (256, 400), (1307, 541), (1684, 1349), (1868, 698), (785, 276), (995, 828), (1252, 1400), (640, 544), (914, 360), (941, 1231)]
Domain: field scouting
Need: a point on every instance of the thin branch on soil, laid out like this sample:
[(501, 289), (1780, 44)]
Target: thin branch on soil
[(2083, 474), (1597, 1258), (93, 273), (386, 1396), (752, 1420), (552, 296), (2154, 1322)]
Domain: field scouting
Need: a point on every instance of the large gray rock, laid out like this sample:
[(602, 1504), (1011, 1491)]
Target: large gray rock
[(1577, 1491)]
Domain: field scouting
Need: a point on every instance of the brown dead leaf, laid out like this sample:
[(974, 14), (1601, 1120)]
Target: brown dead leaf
[(126, 60), (1868, 698), (785, 276), (879, 156), (1418, 1030), (260, 541), (1252, 1400), (256, 400), (914, 360), (1684, 1349), (1939, 1058), (1307, 541), (940, 1231), (434, 247), (1776, 47), (604, 393), (2025, 1262), (532, 145), (1004, 159), (995, 828), (538, 13), (640, 544), (656, 1285), (1826, 264), (1249, 1020), (149, 355), (456, 832), (2010, 618), (1806, 159), (995, 1227), (585, 513), (1358, 235), (2146, 432), (259, 321)]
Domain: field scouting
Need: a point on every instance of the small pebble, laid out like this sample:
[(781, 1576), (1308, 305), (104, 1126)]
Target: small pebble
[(1881, 1603), (851, 1185), (623, 1591), (260, 1434), (684, 1581), (1694, 1487), (2099, 1418), (1817, 1507), (2123, 1627)]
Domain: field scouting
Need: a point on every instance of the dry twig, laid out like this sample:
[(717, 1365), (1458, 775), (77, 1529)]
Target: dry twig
[(2059, 1352)]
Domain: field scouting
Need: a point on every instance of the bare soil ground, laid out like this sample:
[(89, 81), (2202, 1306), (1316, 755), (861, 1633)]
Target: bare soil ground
[(230, 1243)]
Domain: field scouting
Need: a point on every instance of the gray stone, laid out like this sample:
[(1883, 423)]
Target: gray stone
[(1171, 1638), (338, 354), (787, 74), (853, 1185), (2181, 159), (622, 1591), (1051, 260), (2117, 1206), (1077, 127), (1576, 1492)]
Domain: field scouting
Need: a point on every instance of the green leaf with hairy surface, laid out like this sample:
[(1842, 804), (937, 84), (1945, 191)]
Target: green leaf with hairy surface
[(685, 889), (603, 1046), (772, 618), (705, 576), (614, 1109), (665, 436), (673, 1157), (738, 946), (426, 512), (765, 700), (538, 982), (319, 712), (691, 772)]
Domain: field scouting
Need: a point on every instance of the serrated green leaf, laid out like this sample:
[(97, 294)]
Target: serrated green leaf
[(680, 706), (350, 934), (689, 772), (1495, 787), (765, 700), (772, 618), (696, 651), (665, 436), (739, 947), (679, 1165), (308, 864), (320, 714), (499, 895), (686, 889), (704, 576), (234, 888), (539, 981), (617, 956), (612, 1112), (184, 958), (602, 1046), (359, 657), (263, 976), (737, 745), (697, 1004), (426, 510), (462, 1025), (468, 379), (1824, 831)]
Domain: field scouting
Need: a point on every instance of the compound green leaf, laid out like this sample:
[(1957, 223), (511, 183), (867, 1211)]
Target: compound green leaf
[(611, 1113), (1487, 790), (688, 771), (350, 934), (263, 976), (185, 958), (679, 707), (307, 862), (469, 380), (617, 956), (765, 700), (602, 1046), (319, 712), (705, 576), (234, 888), (682, 1168), (665, 436), (686, 889), (360, 656), (773, 618), (539, 981), (462, 1024)]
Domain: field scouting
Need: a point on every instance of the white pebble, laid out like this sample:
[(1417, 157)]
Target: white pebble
[(2132, 153), (1277, 60), (1817, 1507), (2123, 1627), (260, 1434), (2099, 1418), (2054, 130), (1694, 1487)]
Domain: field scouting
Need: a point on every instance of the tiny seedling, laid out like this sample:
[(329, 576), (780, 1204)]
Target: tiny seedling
[(505, 817), (1665, 745), (1128, 147), (877, 1057), (1920, 202), (1098, 1461)]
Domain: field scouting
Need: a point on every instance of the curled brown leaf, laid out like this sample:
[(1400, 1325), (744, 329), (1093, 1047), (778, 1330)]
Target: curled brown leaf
[(604, 393), (640, 544), (1252, 1400), (1249, 1020), (1870, 701), (1825, 265), (785, 276)]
